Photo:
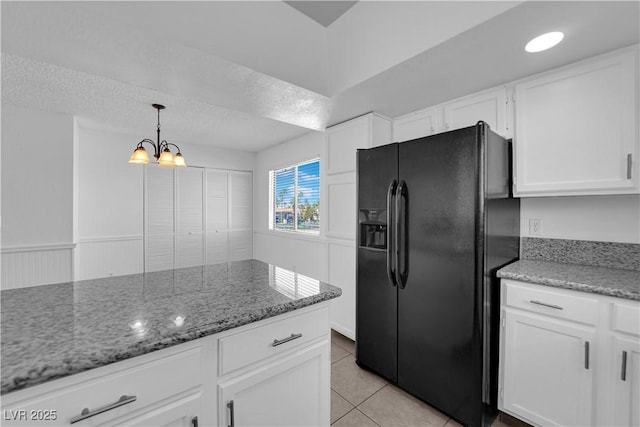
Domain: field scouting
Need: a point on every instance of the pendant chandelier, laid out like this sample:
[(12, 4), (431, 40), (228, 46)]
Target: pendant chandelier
[(162, 153)]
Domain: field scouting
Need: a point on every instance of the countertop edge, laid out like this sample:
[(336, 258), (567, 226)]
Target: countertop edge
[(48, 373), (514, 271)]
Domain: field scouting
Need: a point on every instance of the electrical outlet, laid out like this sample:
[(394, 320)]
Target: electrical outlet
[(535, 227)]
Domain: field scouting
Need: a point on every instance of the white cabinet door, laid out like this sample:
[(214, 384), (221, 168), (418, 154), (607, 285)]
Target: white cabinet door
[(548, 370), (342, 273), (490, 107), (626, 376), (292, 391), (189, 217), (577, 129), (344, 139), (417, 125)]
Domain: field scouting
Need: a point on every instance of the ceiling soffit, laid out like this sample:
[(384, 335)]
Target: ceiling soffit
[(322, 12)]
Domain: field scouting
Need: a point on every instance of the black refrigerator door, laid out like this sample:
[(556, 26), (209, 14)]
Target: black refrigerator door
[(439, 317), (376, 297)]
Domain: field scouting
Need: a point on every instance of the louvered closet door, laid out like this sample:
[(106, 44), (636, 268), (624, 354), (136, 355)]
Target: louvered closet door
[(189, 219), (217, 216), (241, 216), (158, 219)]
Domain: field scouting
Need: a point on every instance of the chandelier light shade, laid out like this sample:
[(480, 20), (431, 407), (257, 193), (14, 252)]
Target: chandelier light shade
[(163, 155)]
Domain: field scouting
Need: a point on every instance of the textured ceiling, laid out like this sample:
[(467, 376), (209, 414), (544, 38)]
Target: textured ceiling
[(248, 75)]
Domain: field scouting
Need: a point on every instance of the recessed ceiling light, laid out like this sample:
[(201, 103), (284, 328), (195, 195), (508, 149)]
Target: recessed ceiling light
[(544, 42)]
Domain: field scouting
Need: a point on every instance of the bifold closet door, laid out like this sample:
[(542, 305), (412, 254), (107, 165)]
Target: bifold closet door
[(217, 223), (241, 216), (159, 219), (189, 217)]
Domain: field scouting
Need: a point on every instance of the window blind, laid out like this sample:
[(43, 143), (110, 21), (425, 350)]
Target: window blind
[(296, 197)]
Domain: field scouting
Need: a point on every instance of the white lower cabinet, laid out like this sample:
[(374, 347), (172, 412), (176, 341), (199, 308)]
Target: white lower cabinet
[(569, 358), (626, 382), (268, 395), (548, 374), (276, 371)]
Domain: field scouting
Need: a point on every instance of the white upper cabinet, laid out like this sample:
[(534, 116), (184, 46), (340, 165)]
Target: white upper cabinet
[(417, 125), (577, 129), (345, 138), (489, 107)]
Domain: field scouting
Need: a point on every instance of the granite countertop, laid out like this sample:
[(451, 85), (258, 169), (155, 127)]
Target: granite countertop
[(598, 280), (52, 331)]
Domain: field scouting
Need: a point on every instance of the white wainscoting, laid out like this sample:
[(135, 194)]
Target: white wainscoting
[(36, 265), (108, 256)]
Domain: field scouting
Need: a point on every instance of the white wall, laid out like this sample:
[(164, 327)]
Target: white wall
[(37, 165), (303, 254), (600, 218), (37, 197)]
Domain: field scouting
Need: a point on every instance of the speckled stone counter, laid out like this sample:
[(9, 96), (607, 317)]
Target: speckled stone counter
[(598, 280), (57, 330)]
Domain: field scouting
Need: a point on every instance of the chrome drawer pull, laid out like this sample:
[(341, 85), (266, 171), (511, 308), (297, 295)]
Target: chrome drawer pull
[(86, 413), (557, 307), (586, 355), (287, 339), (231, 414)]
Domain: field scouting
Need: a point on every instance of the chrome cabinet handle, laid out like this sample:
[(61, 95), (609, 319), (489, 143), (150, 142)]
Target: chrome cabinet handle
[(557, 307), (391, 274), (292, 337), (86, 413), (194, 422), (586, 355), (230, 406), (629, 163), (623, 373)]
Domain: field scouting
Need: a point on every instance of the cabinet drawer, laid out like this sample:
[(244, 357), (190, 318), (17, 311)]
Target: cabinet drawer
[(626, 317), (551, 302), (251, 345), (156, 378)]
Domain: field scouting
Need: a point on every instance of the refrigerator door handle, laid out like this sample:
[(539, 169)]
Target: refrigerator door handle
[(391, 265), (402, 263)]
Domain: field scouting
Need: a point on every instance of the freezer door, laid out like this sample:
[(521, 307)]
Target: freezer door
[(376, 297), (439, 303)]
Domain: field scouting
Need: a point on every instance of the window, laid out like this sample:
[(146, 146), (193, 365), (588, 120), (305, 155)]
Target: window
[(295, 198)]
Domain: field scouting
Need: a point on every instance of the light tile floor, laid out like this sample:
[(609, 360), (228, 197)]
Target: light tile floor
[(360, 398)]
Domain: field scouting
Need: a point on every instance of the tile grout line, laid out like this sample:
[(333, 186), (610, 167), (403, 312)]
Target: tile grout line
[(345, 349), (373, 394), (347, 400), (372, 420), (346, 355)]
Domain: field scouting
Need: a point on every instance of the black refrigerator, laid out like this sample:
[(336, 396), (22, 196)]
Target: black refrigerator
[(436, 220)]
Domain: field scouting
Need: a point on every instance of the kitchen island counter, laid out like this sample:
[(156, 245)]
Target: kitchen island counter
[(54, 331), (598, 280)]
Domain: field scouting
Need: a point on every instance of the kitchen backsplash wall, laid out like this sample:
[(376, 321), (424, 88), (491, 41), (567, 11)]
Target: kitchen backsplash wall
[(614, 218), (600, 254)]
